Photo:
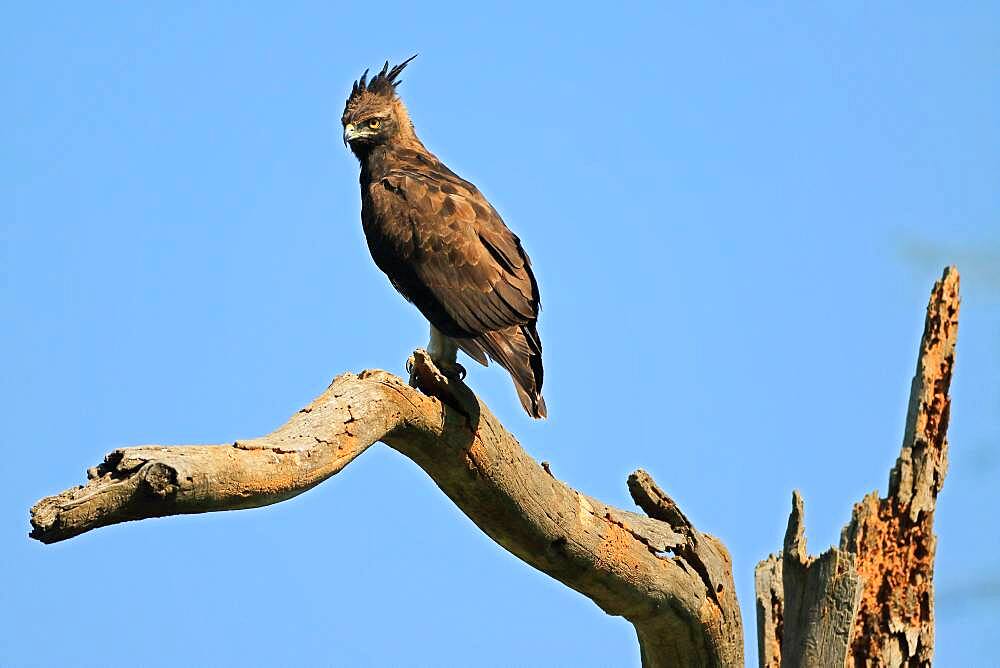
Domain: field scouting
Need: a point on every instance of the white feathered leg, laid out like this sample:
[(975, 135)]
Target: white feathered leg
[(444, 352)]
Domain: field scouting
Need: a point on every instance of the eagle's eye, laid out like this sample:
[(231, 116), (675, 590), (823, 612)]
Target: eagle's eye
[(374, 124)]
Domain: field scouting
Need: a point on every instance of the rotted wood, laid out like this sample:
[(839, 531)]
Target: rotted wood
[(884, 567), (893, 538), (674, 584)]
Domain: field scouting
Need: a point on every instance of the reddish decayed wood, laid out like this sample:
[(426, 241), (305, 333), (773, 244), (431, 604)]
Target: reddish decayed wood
[(889, 543), (893, 538)]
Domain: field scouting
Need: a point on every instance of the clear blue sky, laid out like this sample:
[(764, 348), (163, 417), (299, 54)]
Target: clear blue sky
[(736, 216)]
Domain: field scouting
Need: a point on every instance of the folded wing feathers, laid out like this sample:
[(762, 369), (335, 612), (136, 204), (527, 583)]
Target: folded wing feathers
[(462, 267), (517, 349)]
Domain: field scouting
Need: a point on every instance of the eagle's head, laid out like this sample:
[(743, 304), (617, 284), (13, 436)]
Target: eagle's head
[(374, 115)]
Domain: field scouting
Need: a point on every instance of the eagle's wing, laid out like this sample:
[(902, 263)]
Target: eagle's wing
[(448, 251), (469, 269)]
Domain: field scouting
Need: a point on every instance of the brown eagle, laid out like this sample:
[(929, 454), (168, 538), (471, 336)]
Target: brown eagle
[(442, 245)]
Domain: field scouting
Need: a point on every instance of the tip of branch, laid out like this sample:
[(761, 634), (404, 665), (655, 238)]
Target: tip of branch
[(942, 307), (655, 502), (795, 534), (919, 472)]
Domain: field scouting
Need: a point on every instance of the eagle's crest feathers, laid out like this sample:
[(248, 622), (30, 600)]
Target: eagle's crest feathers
[(382, 85)]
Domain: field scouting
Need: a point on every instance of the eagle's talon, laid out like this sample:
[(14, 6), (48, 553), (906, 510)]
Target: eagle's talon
[(451, 370), (411, 371)]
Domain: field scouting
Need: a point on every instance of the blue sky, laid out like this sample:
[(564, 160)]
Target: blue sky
[(735, 214)]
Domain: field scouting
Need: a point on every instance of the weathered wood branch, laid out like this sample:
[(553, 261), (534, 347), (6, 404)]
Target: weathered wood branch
[(871, 602), (673, 583), (805, 605), (868, 603)]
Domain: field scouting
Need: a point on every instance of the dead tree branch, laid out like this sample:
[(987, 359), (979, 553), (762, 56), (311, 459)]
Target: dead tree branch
[(673, 583), (871, 602), (868, 603)]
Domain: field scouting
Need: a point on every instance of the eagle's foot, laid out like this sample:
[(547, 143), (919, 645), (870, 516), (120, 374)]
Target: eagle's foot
[(442, 379), (450, 370)]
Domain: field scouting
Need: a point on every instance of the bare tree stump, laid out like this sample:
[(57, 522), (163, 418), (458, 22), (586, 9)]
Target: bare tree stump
[(871, 602)]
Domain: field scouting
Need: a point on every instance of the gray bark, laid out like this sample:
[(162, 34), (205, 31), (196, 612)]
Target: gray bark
[(805, 605)]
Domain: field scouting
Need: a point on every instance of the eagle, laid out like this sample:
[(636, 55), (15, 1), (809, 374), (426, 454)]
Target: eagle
[(442, 244)]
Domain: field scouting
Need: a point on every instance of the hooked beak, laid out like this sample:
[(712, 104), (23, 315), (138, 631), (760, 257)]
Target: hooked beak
[(350, 133)]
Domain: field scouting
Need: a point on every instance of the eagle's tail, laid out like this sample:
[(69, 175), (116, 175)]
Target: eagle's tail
[(519, 350)]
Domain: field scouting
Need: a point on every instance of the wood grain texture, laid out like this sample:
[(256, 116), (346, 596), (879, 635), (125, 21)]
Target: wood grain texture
[(805, 605), (674, 584), (870, 602)]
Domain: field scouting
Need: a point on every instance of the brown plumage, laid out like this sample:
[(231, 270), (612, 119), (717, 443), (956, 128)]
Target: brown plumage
[(442, 245)]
